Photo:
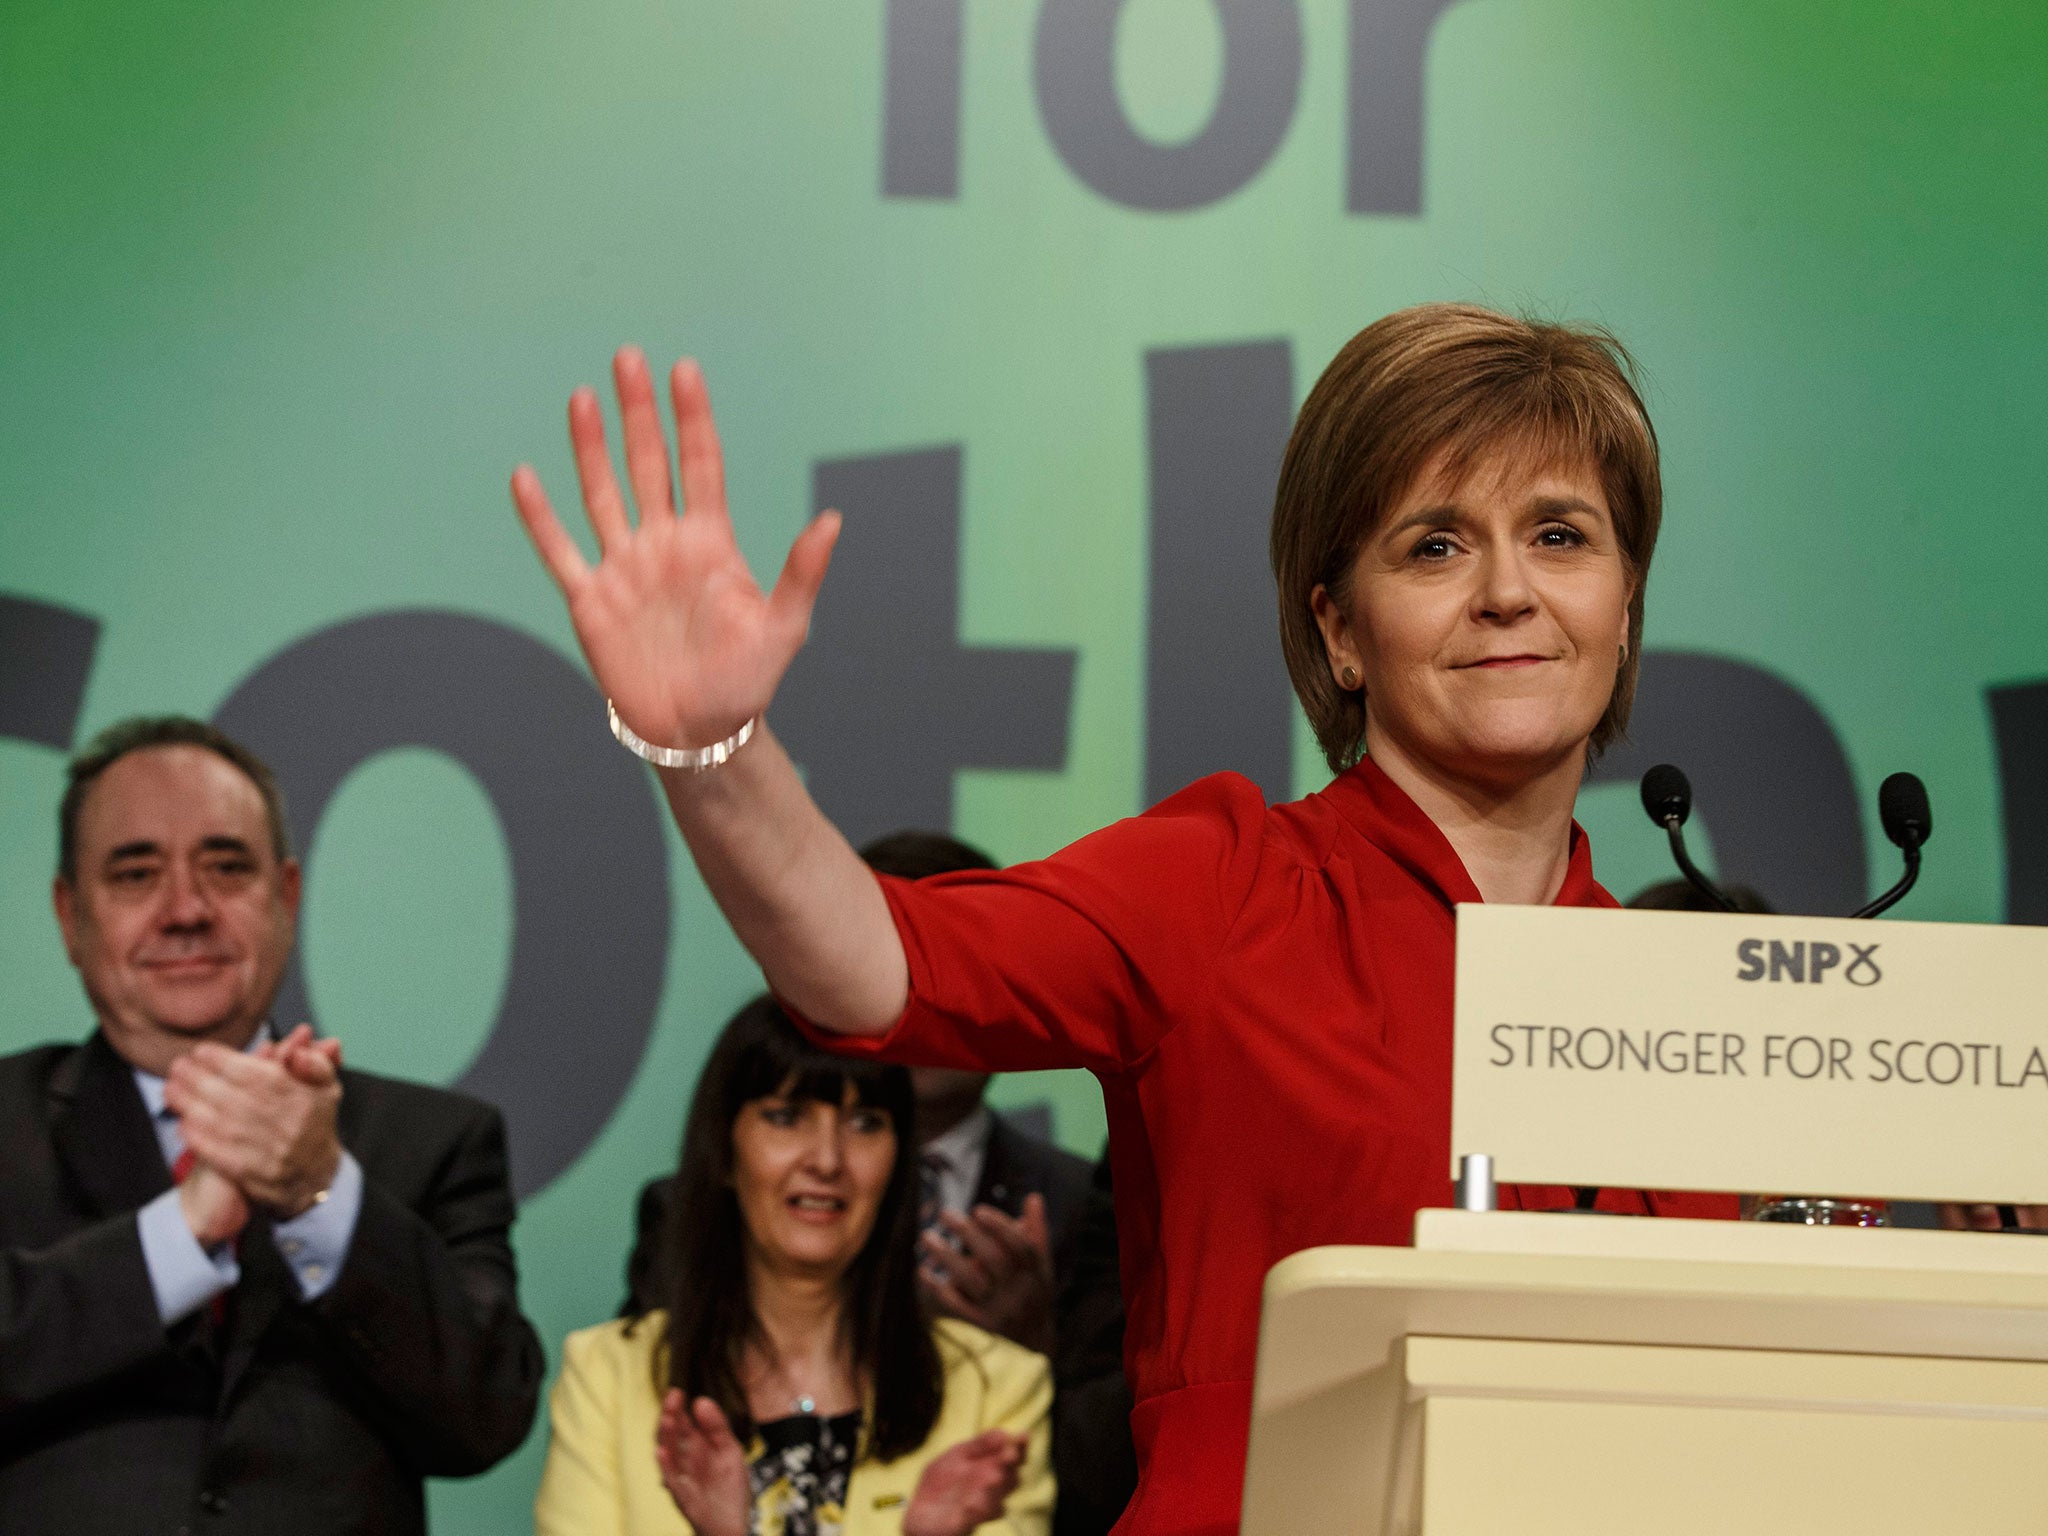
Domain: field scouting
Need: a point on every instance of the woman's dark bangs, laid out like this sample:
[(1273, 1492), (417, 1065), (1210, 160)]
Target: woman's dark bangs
[(785, 1063)]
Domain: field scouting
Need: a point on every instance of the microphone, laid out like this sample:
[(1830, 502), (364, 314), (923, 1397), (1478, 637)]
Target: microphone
[(1902, 807), (1903, 811), (1667, 796)]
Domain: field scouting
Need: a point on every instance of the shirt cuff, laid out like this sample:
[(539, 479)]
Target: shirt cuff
[(315, 1242), (184, 1275)]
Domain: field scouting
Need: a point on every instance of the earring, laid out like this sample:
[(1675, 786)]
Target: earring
[(1351, 677)]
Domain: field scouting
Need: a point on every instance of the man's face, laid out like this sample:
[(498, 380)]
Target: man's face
[(179, 915), (945, 1097)]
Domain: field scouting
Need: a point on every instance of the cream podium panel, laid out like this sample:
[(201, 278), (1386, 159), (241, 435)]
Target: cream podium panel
[(1537, 1374), (1725, 1051)]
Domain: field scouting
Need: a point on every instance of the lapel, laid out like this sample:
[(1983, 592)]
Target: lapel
[(100, 1129), (998, 1183), (267, 1284), (102, 1132)]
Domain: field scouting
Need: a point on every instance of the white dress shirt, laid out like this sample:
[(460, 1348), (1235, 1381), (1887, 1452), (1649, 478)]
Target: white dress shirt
[(956, 1157)]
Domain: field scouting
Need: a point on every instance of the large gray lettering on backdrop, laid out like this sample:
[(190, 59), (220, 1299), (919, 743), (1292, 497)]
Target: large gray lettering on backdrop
[(1769, 777), (1085, 118), (2019, 719), (1216, 691), (922, 49), (885, 704), (921, 99), (582, 827), (45, 657), (1389, 58)]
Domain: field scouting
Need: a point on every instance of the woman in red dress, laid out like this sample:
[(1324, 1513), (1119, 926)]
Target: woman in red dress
[(1462, 531)]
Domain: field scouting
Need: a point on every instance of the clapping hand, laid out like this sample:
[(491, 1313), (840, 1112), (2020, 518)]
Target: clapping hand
[(965, 1486), (213, 1208), (679, 636), (1988, 1218), (997, 1272), (703, 1466), (263, 1120)]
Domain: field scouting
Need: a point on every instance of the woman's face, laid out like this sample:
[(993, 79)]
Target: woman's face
[(1485, 620), (809, 1178)]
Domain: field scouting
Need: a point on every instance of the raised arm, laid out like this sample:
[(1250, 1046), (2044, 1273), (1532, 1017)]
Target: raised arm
[(689, 649)]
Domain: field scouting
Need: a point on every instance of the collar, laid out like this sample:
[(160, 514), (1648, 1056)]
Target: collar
[(1386, 816)]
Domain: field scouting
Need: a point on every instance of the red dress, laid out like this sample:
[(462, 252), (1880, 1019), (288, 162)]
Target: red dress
[(1265, 995)]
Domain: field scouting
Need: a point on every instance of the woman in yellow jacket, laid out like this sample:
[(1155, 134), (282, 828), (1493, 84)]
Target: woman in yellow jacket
[(793, 1385)]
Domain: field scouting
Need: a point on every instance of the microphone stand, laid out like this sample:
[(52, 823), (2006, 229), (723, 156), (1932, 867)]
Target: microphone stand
[(1692, 871), (1891, 897), (1903, 812), (1667, 798)]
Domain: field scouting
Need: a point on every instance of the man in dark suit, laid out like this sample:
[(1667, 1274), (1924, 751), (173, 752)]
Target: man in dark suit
[(242, 1289)]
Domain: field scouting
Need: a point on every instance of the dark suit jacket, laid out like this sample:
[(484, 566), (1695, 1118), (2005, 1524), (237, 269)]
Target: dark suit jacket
[(1093, 1458), (1091, 1440), (288, 1419), (1017, 1164)]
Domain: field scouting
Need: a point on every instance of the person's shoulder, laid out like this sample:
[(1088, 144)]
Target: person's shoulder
[(608, 1374), (30, 1078), (963, 1346), (1216, 796), (1278, 837), (39, 1063), (1311, 828), (616, 1342), (400, 1098), (1223, 816)]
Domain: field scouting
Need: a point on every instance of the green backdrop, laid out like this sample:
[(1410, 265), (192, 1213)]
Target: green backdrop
[(286, 291)]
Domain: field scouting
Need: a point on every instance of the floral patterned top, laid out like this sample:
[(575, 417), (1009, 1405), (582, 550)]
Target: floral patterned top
[(799, 1475)]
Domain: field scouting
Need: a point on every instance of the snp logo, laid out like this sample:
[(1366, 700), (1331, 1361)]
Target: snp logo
[(1805, 962)]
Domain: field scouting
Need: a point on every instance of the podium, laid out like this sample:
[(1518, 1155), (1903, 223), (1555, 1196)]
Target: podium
[(1521, 1374)]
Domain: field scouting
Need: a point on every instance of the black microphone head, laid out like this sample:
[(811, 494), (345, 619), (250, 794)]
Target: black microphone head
[(1902, 807), (1667, 793)]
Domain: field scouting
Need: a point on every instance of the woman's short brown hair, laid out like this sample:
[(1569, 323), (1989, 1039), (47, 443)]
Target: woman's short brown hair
[(1456, 381)]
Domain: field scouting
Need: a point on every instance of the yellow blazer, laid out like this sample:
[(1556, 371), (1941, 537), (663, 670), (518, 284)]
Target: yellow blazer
[(601, 1480)]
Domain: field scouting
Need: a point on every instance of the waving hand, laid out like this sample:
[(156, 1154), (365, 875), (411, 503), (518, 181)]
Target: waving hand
[(690, 649), (675, 628)]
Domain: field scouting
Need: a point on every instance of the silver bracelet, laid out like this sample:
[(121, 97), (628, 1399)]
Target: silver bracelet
[(696, 759)]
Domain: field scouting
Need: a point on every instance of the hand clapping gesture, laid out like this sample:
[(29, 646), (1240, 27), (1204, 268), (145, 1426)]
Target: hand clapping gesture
[(965, 1486), (261, 1126), (678, 634), (996, 1272), (1991, 1218), (703, 1466)]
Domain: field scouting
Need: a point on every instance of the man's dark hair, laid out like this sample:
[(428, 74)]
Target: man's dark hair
[(913, 855), (139, 734), (702, 1278)]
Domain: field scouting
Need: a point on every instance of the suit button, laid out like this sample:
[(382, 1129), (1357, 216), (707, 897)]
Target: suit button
[(213, 1501)]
